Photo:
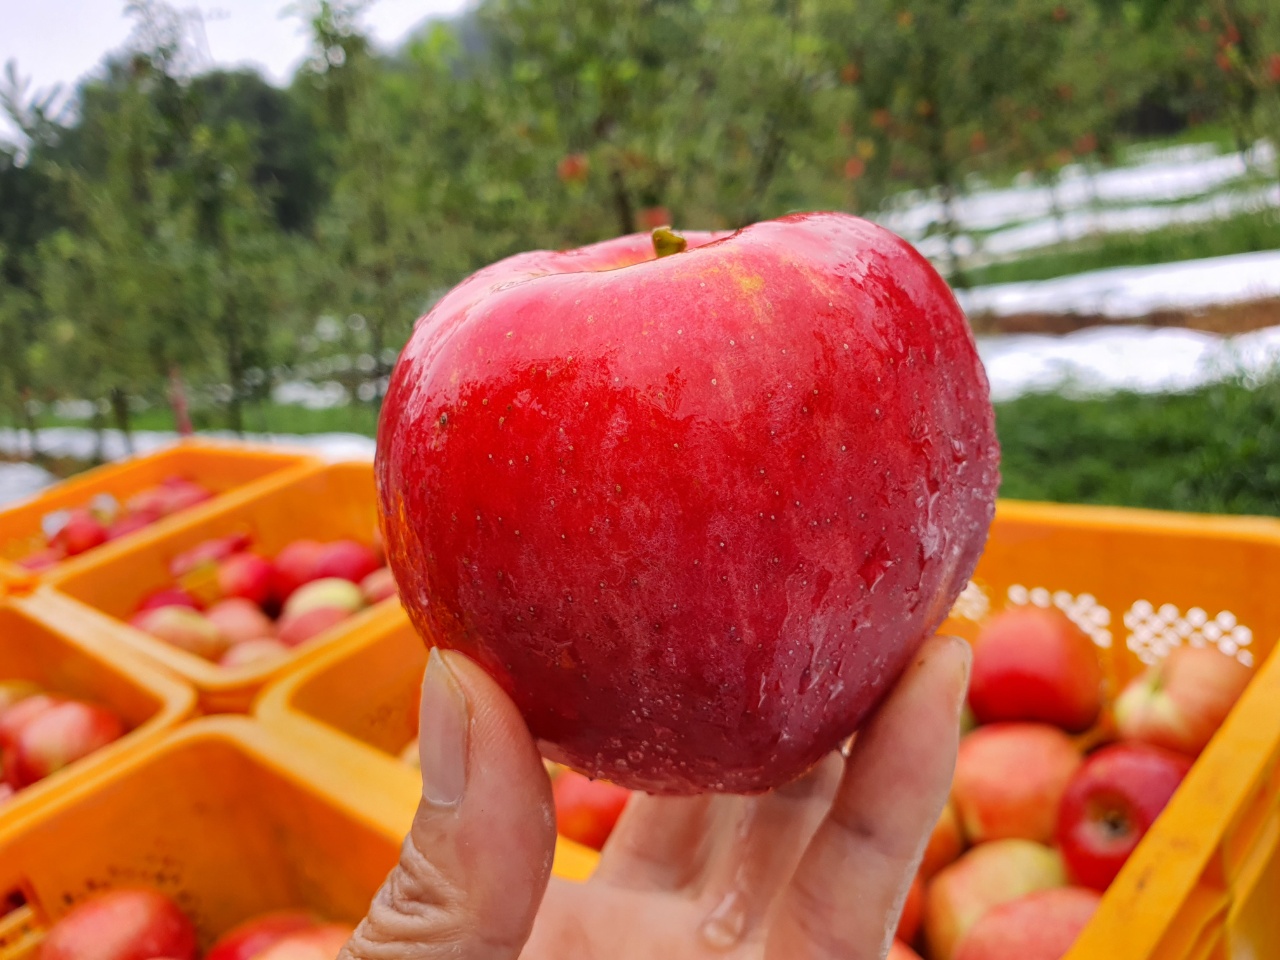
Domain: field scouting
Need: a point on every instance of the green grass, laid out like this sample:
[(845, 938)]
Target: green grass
[(1213, 450), (1246, 233)]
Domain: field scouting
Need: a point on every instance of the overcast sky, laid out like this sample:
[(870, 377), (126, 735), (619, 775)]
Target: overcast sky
[(58, 41)]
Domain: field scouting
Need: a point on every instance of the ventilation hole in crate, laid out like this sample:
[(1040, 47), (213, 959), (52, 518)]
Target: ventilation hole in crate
[(1154, 631), (972, 604), (1083, 609)]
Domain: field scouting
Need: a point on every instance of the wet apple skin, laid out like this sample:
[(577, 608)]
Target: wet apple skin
[(695, 514)]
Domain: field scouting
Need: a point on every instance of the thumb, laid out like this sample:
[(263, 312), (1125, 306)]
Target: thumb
[(474, 867)]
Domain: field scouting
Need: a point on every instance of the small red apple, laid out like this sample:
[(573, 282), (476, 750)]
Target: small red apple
[(82, 531), (57, 737), (177, 494), (946, 842), (151, 500), (170, 597), (347, 559), (335, 592), (122, 925), (1035, 664), (988, 875), (208, 553), (183, 628), (1010, 778), (249, 939), (318, 943), (238, 619), (253, 651), (297, 629), (6, 794), (378, 586), (735, 485), (1181, 701), (246, 575), (20, 713), (295, 565), (1039, 926), (1110, 806), (130, 523), (586, 809)]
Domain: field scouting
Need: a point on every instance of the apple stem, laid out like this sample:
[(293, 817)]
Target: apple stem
[(666, 242)]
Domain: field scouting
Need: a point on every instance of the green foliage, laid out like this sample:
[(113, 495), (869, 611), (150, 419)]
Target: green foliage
[(243, 235)]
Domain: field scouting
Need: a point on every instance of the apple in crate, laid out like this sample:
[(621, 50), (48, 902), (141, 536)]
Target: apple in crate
[(1111, 804), (1180, 701), (246, 575), (183, 628), (316, 607), (586, 809), (249, 939), (1010, 778), (57, 737), (170, 597), (988, 875), (253, 651), (733, 482), (318, 943), (946, 842), (1035, 664), (82, 532), (295, 565), (14, 691), (238, 619), (208, 553), (20, 712), (122, 925), (378, 586), (347, 559), (1039, 926)]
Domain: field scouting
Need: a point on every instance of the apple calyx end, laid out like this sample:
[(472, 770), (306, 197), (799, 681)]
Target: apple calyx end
[(666, 242)]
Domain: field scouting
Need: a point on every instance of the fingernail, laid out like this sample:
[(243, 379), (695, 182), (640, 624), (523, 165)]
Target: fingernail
[(442, 738), (964, 656)]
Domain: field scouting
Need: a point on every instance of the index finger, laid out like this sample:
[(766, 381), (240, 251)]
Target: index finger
[(846, 896)]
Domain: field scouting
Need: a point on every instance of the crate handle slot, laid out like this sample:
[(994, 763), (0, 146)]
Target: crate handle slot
[(20, 929)]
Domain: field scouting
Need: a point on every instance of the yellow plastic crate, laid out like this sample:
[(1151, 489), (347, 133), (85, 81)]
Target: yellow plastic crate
[(218, 466), (1203, 883), (91, 667), (362, 695), (222, 816), (320, 502)]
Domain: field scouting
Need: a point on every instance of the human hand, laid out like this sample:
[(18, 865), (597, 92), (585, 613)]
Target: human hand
[(816, 870)]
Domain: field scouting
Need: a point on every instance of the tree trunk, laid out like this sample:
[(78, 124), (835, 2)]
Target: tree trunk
[(28, 420), (178, 402), (97, 425), (120, 409), (622, 202), (235, 366)]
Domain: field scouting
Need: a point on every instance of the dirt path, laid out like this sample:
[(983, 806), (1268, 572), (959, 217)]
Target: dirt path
[(1226, 319)]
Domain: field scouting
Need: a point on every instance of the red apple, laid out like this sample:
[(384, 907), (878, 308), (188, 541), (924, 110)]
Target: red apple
[(335, 592), (208, 553), (130, 523), (19, 714), (912, 907), (1181, 701), (122, 925), (82, 531), (298, 629), (1111, 804), (170, 597), (246, 575), (295, 565), (586, 809), (249, 939), (988, 875), (253, 651), (378, 586), (346, 559), (319, 943), (57, 737), (6, 794), (1039, 926), (736, 486), (573, 167), (150, 500), (1035, 664), (42, 559), (179, 494), (1010, 778), (185, 629), (14, 691), (239, 619), (946, 842)]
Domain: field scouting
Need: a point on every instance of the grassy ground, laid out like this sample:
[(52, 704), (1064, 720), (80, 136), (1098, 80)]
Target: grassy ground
[(1214, 450), (1246, 233), (258, 418)]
